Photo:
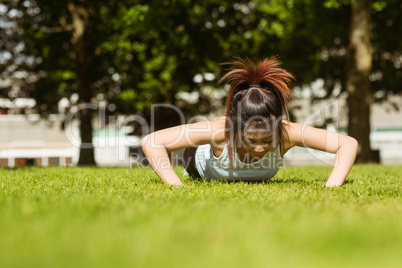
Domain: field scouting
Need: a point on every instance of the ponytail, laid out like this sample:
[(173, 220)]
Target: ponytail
[(256, 90)]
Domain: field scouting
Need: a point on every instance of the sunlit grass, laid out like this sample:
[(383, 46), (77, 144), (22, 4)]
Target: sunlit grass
[(116, 217)]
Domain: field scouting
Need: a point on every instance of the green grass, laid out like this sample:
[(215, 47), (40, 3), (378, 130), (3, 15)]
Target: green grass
[(116, 217)]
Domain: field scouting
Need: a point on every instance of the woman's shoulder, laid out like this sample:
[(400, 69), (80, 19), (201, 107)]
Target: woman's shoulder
[(206, 131), (288, 135), (218, 131), (217, 127), (291, 126)]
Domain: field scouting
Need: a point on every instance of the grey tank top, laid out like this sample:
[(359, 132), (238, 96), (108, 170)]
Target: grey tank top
[(211, 167)]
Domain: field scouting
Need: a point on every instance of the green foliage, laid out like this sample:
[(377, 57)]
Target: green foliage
[(167, 43), (120, 217), (336, 3), (156, 47), (377, 5)]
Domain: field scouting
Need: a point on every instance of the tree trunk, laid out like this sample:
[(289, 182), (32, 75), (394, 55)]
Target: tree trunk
[(359, 64), (80, 16)]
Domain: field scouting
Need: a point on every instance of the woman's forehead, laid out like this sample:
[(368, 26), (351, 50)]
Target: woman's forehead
[(258, 133)]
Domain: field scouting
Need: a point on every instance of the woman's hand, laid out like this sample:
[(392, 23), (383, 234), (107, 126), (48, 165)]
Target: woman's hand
[(344, 159)]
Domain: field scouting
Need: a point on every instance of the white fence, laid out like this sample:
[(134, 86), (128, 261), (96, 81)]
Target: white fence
[(109, 151), (44, 154)]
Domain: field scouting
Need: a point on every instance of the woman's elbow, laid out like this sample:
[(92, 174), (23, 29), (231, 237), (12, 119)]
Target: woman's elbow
[(354, 142), (149, 142), (145, 141)]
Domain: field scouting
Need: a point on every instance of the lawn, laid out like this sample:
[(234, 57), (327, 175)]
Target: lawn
[(120, 217)]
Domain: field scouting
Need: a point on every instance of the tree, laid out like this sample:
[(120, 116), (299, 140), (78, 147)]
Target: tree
[(358, 71), (351, 43), (14, 64), (65, 36), (370, 26), (80, 40)]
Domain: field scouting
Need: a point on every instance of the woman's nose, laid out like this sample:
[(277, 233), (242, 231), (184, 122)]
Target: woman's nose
[(259, 149)]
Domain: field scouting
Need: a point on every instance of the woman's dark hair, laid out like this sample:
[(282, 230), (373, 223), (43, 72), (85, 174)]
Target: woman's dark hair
[(258, 95)]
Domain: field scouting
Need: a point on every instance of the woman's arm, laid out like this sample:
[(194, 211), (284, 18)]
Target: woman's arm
[(344, 146), (157, 144)]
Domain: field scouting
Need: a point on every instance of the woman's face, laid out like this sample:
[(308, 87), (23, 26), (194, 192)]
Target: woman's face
[(257, 142)]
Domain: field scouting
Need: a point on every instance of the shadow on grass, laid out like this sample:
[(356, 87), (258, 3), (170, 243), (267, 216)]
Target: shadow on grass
[(286, 181), (301, 181), (257, 182), (269, 181)]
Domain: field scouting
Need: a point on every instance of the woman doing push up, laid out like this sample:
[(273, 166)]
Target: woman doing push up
[(249, 142)]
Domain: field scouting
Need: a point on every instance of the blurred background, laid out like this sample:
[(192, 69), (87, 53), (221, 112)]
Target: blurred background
[(79, 73)]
